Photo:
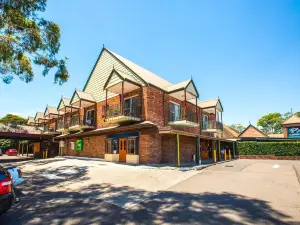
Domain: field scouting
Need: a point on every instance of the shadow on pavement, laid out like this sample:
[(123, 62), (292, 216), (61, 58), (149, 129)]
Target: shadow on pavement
[(87, 207)]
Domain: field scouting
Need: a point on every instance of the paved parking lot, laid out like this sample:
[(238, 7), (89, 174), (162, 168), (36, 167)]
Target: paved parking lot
[(71, 191)]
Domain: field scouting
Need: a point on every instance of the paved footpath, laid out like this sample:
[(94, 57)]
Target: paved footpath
[(238, 192)]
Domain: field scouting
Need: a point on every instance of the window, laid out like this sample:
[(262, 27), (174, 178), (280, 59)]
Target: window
[(204, 121), (108, 147), (74, 120), (90, 115), (131, 146), (114, 146), (174, 112), (103, 110), (131, 106)]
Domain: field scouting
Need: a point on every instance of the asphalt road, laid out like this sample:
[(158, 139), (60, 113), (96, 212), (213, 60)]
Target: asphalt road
[(238, 192)]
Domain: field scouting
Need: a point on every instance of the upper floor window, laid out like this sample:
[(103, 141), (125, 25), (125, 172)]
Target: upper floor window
[(90, 116), (174, 111), (131, 106), (74, 120)]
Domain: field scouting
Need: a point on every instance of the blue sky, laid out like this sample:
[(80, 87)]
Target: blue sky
[(245, 52)]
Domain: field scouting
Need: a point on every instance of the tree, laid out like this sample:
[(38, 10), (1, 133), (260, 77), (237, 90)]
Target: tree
[(13, 120), (271, 123), (27, 38), (5, 143), (297, 113), (238, 127)]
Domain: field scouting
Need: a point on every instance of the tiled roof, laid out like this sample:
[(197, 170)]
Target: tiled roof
[(30, 120), (292, 120), (85, 96), (51, 110), (208, 103), (146, 75), (39, 115), (231, 131), (66, 101), (177, 86)]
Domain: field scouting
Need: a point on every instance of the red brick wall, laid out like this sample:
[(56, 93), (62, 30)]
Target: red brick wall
[(150, 146), (169, 151), (93, 146)]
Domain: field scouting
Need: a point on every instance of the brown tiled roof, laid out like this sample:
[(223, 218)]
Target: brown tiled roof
[(292, 120)]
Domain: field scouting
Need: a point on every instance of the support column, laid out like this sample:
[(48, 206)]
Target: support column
[(197, 117), (105, 113), (197, 150), (27, 148), (219, 150), (141, 103), (185, 105), (233, 149), (79, 112), (122, 97), (178, 149)]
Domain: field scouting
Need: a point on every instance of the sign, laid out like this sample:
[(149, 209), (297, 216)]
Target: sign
[(293, 132), (61, 144), (79, 145)]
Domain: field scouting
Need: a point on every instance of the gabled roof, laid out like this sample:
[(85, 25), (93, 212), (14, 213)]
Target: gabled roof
[(39, 115), (50, 110), (187, 84), (292, 120), (210, 103), (252, 131), (231, 132), (30, 120), (121, 75), (144, 74), (82, 96), (63, 102)]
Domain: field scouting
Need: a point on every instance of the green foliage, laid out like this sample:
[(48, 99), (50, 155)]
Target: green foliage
[(238, 127), (5, 143), (13, 119), (269, 148), (271, 123), (26, 38), (297, 113)]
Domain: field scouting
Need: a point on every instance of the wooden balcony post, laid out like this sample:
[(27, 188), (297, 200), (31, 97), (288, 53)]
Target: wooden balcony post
[(70, 122), (141, 104), (185, 105), (215, 118), (105, 113), (122, 97), (79, 112), (197, 119)]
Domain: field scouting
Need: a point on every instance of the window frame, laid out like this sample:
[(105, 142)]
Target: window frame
[(134, 145), (179, 109), (108, 142)]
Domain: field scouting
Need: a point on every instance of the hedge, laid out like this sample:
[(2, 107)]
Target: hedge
[(269, 148)]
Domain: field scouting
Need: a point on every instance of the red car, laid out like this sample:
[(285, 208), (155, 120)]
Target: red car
[(11, 152)]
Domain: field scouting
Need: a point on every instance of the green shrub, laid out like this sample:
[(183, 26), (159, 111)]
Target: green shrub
[(269, 148)]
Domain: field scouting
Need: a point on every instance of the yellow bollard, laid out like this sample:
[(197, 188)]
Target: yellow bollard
[(229, 154), (215, 155), (43, 155), (46, 154), (225, 155)]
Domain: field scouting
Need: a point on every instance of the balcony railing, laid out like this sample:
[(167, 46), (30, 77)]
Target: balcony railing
[(60, 125), (115, 114), (183, 117), (48, 129), (212, 125), (82, 122)]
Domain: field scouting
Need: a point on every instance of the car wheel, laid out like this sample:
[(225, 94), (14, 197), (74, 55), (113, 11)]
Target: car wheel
[(5, 205)]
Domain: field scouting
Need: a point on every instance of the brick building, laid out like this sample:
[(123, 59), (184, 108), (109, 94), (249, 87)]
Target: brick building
[(126, 113)]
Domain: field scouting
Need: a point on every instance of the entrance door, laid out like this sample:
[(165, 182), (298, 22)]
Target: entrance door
[(122, 149)]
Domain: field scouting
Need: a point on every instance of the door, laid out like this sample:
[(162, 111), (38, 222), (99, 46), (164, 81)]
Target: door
[(122, 149)]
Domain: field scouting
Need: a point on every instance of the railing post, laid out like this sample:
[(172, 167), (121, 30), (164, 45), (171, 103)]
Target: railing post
[(197, 118), (79, 112), (105, 113), (122, 96)]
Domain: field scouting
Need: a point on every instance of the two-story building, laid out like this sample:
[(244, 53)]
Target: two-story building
[(126, 113)]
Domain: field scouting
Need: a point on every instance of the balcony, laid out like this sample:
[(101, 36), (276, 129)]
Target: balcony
[(178, 117), (115, 115), (84, 123), (50, 130), (60, 126), (212, 126)]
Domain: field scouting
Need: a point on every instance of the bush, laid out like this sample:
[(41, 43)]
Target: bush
[(269, 148)]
